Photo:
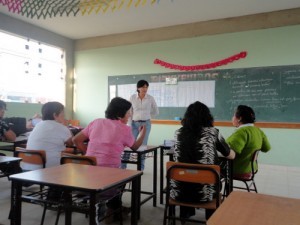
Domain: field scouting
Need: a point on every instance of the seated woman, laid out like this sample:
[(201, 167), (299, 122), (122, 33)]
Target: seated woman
[(245, 140), (197, 142), (6, 134), (50, 134), (32, 122), (107, 139)]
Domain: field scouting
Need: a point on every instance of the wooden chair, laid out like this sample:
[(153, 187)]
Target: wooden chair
[(249, 180), (193, 173), (79, 159), (72, 150), (67, 157), (31, 159), (8, 168), (72, 122), (81, 198)]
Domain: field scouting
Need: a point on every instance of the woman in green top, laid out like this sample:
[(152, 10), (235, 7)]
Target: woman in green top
[(245, 140)]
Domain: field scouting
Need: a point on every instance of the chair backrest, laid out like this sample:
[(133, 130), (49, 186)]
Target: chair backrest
[(254, 163), (194, 173), (31, 159), (74, 123), (78, 159), (72, 150)]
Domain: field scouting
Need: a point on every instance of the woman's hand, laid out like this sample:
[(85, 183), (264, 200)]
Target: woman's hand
[(142, 129), (140, 139)]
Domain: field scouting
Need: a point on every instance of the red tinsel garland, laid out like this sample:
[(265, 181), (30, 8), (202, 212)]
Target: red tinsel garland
[(203, 66)]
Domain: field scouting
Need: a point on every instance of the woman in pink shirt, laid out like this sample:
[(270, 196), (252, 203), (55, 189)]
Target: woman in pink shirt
[(107, 139)]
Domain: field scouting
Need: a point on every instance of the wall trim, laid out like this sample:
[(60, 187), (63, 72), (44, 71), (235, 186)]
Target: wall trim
[(236, 24)]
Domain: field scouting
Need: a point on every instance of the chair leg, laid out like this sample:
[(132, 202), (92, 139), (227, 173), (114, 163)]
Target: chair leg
[(58, 215), (248, 189), (173, 214), (225, 194), (121, 214), (165, 215), (44, 213), (254, 185)]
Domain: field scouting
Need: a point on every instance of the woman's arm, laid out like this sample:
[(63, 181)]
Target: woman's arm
[(69, 142), (10, 135), (154, 109), (224, 148), (231, 154), (79, 140), (140, 139)]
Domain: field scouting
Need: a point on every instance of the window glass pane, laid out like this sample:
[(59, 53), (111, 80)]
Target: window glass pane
[(30, 71)]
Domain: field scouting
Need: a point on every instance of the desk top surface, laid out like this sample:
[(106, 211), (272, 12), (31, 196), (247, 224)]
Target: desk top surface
[(6, 159), (142, 148), (256, 209), (19, 139), (84, 177)]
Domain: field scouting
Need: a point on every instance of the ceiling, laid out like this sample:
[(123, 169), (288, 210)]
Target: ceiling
[(161, 14)]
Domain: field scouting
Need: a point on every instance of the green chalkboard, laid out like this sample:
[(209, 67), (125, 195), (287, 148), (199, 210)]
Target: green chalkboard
[(273, 92)]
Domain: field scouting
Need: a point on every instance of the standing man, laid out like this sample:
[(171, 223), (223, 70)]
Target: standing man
[(143, 109)]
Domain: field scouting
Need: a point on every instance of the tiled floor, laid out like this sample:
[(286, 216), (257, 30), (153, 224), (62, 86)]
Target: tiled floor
[(273, 180)]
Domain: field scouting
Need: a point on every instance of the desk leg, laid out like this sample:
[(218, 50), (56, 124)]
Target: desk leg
[(68, 207), (92, 213), (155, 178), (161, 194), (16, 203), (230, 165), (14, 150), (139, 161), (135, 200), (138, 197)]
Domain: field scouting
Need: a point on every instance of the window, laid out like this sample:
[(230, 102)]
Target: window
[(30, 71)]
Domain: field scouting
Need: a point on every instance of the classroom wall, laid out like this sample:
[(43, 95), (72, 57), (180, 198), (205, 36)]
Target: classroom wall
[(265, 47), (16, 109), (17, 27)]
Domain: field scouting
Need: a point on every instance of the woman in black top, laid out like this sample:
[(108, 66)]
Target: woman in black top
[(197, 142)]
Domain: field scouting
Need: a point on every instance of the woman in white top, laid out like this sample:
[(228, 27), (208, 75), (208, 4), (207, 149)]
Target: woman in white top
[(51, 134), (143, 109)]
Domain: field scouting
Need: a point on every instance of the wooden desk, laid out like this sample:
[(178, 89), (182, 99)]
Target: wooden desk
[(11, 145), (74, 177), (7, 159), (244, 208), (12, 162), (227, 164), (164, 150), (138, 162)]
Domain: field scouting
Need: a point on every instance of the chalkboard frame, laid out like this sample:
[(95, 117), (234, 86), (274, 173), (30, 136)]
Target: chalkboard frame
[(229, 124)]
